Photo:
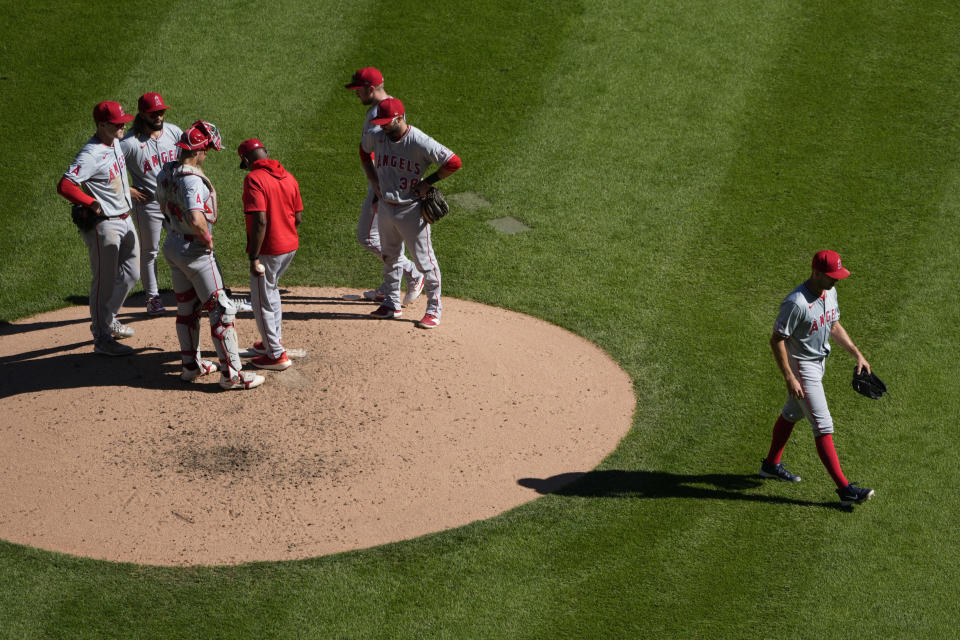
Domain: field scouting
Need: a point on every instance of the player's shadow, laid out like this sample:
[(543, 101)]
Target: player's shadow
[(147, 368), (660, 484)]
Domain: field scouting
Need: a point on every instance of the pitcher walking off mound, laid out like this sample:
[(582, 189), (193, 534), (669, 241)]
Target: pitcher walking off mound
[(808, 318)]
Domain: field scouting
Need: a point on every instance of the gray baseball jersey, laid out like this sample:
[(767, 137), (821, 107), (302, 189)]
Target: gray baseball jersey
[(146, 155), (400, 164), (181, 189), (368, 232), (806, 321), (102, 170)]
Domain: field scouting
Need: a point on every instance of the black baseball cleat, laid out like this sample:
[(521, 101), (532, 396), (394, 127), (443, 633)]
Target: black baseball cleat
[(777, 472), (852, 494)]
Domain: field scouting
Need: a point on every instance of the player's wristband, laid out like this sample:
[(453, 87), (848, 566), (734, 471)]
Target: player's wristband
[(254, 257), (433, 178)]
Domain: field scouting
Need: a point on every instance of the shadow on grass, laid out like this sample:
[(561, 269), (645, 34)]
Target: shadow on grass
[(660, 484)]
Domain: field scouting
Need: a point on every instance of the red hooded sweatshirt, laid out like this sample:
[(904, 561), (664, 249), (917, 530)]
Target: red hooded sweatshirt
[(272, 189)]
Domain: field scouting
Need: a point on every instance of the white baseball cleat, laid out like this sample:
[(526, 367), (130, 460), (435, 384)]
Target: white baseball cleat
[(189, 375), (243, 380), (414, 289), (119, 330)]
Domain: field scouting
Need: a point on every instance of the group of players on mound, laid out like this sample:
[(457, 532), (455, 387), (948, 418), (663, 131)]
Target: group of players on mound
[(170, 191)]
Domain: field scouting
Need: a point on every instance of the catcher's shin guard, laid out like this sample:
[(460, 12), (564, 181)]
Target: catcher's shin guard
[(222, 315), (188, 326)]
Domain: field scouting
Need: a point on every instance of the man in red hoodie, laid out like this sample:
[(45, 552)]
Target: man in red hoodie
[(273, 208)]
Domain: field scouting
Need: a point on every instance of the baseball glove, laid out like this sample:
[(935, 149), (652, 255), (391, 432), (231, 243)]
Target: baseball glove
[(433, 206), (868, 384), (85, 218)]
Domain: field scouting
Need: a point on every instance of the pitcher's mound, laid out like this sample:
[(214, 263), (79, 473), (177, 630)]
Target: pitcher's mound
[(379, 432)]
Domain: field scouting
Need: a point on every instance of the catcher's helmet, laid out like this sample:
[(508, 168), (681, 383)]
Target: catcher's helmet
[(201, 135)]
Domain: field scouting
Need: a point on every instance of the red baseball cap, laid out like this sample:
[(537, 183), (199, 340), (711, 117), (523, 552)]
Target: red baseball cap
[(109, 111), (150, 102), (828, 262), (246, 147), (366, 77), (201, 135), (387, 110)]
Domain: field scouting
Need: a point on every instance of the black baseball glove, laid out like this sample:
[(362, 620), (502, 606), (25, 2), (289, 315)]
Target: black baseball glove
[(868, 384), (84, 217), (433, 206)]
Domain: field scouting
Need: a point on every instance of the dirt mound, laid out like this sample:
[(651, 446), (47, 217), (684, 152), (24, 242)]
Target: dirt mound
[(379, 432)]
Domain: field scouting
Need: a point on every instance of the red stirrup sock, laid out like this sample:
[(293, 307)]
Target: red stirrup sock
[(782, 429), (828, 456)]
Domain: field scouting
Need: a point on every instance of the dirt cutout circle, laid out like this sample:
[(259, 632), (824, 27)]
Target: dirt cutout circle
[(379, 432)]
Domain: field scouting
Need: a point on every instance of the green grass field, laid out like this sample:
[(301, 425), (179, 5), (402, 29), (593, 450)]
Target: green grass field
[(679, 162)]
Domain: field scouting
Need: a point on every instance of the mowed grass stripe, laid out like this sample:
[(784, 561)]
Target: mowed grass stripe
[(785, 155)]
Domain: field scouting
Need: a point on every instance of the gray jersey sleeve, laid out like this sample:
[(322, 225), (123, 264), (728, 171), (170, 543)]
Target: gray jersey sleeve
[(196, 196), (101, 169), (788, 318), (806, 322)]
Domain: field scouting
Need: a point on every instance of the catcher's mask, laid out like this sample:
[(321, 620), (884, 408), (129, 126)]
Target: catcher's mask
[(201, 135)]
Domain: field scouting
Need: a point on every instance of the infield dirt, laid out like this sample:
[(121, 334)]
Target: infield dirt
[(379, 432)]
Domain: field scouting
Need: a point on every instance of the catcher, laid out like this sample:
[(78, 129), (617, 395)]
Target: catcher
[(189, 204), (809, 317)]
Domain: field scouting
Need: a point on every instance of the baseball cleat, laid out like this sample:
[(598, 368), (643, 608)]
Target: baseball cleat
[(242, 304), (414, 289), (243, 380), (119, 330), (852, 494), (256, 350), (274, 364), (383, 312), (111, 347), (429, 321), (777, 472), (205, 367), (374, 295), (155, 306)]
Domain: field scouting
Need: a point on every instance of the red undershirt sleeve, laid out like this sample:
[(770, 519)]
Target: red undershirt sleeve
[(73, 193), (453, 163)]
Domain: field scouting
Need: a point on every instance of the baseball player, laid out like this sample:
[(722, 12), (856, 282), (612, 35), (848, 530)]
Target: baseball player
[(97, 178), (395, 159), (367, 84), (150, 145), (273, 210), (808, 318), (189, 204)]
